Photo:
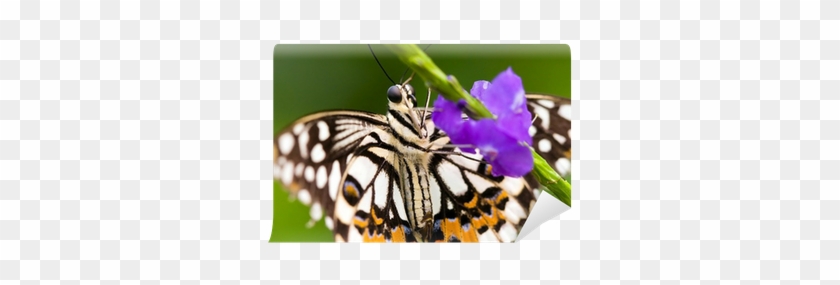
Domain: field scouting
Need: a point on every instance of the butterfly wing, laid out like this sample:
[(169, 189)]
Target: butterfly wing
[(369, 207), (551, 130), (337, 162), (311, 155), (472, 205), (477, 206)]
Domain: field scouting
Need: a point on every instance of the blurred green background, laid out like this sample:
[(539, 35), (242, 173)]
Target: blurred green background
[(313, 78)]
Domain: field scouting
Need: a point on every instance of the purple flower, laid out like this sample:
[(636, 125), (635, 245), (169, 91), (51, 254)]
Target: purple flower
[(504, 142)]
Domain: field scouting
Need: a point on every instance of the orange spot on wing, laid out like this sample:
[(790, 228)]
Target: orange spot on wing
[(351, 190), (472, 203), (398, 234), (495, 216), (470, 234), (478, 222), (502, 195), (488, 220), (360, 223), (376, 220), (372, 237), (452, 228)]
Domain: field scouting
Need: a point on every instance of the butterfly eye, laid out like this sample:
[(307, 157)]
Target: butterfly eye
[(394, 94)]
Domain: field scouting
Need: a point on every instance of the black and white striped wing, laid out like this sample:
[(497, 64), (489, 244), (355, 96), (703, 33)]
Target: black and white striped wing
[(474, 205), (551, 130), (369, 207), (471, 205), (311, 155), (340, 163)]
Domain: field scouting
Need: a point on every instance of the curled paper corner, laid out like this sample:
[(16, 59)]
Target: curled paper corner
[(546, 208)]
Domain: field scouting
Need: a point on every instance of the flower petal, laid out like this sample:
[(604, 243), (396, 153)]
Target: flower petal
[(515, 161), (478, 89), (446, 115), (516, 125), (502, 141), (503, 151), (505, 94)]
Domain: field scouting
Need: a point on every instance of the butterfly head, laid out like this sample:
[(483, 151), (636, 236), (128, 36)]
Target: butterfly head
[(401, 113), (402, 95)]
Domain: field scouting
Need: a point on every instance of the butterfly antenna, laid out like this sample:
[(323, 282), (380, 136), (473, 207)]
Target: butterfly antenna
[(408, 80), (380, 65), (428, 95)]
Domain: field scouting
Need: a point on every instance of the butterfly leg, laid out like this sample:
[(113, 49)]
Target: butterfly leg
[(423, 118)]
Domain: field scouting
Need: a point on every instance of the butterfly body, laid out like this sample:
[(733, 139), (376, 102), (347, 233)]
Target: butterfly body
[(397, 178)]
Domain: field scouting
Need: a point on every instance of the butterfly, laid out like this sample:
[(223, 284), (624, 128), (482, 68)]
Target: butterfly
[(396, 178)]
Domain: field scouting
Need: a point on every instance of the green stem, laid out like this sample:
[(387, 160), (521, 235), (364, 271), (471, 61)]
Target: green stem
[(554, 183), (449, 87)]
